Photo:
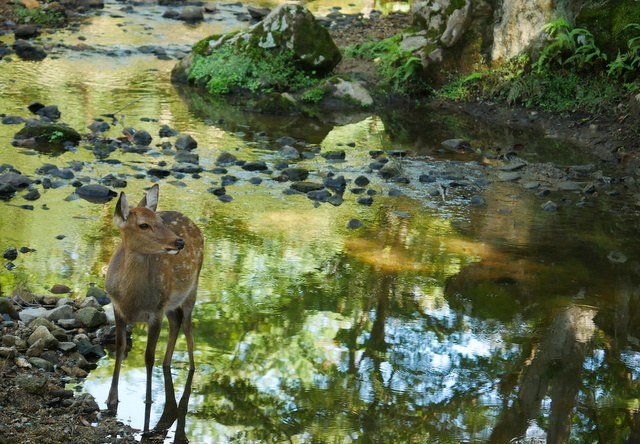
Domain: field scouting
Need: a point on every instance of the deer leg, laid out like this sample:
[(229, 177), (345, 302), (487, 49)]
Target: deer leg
[(175, 318), (121, 346), (187, 328), (155, 324)]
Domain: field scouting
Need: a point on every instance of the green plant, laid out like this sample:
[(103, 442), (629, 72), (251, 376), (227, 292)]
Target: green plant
[(56, 136), (313, 95), (627, 62), (572, 47), (38, 16), (227, 68)]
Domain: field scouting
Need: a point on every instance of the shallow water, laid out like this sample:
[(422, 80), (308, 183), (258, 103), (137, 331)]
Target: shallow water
[(437, 322)]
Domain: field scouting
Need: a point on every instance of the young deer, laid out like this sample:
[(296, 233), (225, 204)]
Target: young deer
[(153, 271)]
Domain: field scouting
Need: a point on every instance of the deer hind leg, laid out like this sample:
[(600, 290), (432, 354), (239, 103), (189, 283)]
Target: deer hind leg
[(175, 319), (121, 346)]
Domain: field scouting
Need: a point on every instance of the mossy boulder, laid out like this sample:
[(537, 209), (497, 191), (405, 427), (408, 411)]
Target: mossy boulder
[(47, 137), (286, 51), (607, 21)]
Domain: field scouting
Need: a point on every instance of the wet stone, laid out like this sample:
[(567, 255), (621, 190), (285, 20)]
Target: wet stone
[(365, 200), (362, 181), (550, 206), (319, 195), (288, 152), (91, 317), (511, 176), (296, 174), (226, 159), (354, 224), (477, 200)]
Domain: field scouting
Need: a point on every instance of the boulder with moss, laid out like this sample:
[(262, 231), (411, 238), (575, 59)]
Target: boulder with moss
[(287, 51)]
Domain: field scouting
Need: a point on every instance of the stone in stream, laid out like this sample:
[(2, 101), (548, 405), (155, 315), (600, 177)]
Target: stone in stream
[(226, 159), (362, 181), (96, 193), (288, 152), (295, 174), (354, 224), (186, 142), (550, 206)]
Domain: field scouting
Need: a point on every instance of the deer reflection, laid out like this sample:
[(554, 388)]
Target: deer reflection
[(171, 412)]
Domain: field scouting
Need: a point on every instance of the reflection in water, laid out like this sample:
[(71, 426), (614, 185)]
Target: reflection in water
[(172, 412), (436, 322)]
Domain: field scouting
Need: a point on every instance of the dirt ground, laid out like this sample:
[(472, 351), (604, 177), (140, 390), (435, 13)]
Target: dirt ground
[(57, 416)]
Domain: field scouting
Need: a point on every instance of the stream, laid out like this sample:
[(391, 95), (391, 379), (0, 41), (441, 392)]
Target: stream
[(462, 311)]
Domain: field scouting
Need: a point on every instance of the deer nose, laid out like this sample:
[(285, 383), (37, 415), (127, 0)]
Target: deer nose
[(179, 243)]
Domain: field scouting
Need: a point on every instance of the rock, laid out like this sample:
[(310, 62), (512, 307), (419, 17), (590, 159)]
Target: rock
[(288, 29), (90, 351), (186, 157), (191, 14), (67, 346), (354, 224), (166, 131), (568, 185), (91, 317), (42, 333), (16, 180), (58, 313), (365, 200), (390, 170), (8, 352), (477, 200), (362, 181), (336, 200), (96, 193), (336, 183), (509, 176), (348, 92), (7, 308), (319, 195), (296, 174), (27, 51), (49, 134), (258, 13), (51, 112), (255, 166), (42, 364), (550, 206), (456, 145), (334, 155), (42, 322), (98, 294), (226, 159), (289, 152), (10, 254), (171, 14), (89, 302), (186, 142), (26, 32), (29, 314), (14, 341), (306, 187), (60, 289), (142, 138), (35, 384)]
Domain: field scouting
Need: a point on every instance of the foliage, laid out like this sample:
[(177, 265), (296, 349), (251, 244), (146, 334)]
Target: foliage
[(570, 75), (398, 67), (227, 69), (313, 95), (572, 47), (56, 136), (38, 16)]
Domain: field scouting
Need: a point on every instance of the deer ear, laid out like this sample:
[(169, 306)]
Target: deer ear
[(122, 211), (150, 200)]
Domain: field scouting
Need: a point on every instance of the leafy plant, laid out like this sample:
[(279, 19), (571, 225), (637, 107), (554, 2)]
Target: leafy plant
[(313, 95), (227, 68), (572, 47), (628, 61), (56, 136), (38, 16)]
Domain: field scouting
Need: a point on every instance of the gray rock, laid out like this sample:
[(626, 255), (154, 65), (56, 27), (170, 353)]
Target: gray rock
[(31, 383), (14, 341), (191, 14), (550, 206), (42, 333), (186, 142), (226, 159), (91, 317), (58, 313), (29, 314), (568, 185), (354, 224), (288, 152), (7, 307), (510, 176), (8, 352), (42, 321), (69, 323), (296, 174), (142, 138), (41, 364), (66, 346), (477, 200)]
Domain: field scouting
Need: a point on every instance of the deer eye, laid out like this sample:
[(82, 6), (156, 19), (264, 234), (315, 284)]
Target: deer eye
[(144, 226)]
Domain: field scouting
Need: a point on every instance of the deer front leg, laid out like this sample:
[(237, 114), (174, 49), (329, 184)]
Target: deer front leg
[(155, 324), (121, 346)]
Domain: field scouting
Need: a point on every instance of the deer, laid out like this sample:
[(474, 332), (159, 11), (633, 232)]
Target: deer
[(153, 272)]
